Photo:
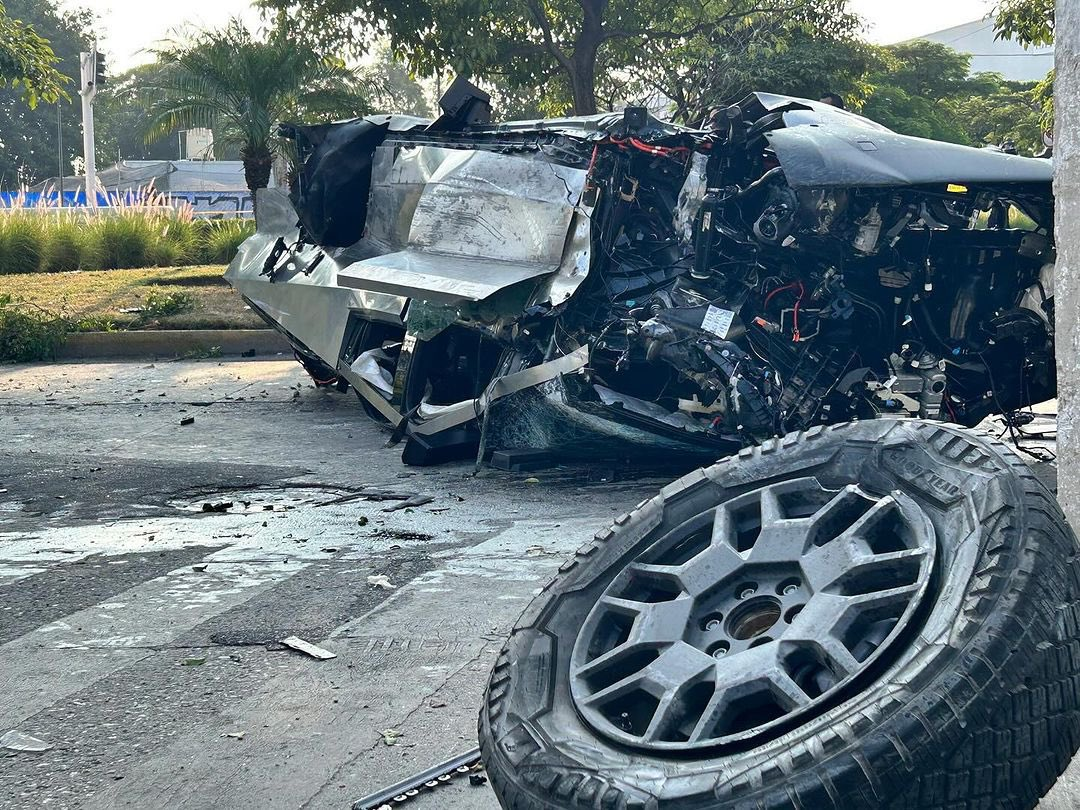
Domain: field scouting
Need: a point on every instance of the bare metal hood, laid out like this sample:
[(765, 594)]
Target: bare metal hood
[(820, 146)]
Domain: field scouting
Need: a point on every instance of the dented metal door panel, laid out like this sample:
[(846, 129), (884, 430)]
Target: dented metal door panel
[(483, 222), (399, 174), (301, 295)]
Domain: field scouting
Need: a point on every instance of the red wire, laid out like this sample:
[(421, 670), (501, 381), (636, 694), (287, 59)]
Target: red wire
[(949, 407), (769, 297), (592, 162), (646, 147), (795, 285), (658, 150)]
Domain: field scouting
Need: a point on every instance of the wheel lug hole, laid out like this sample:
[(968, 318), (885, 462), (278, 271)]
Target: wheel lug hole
[(789, 587), (746, 590), (719, 649), (711, 622)]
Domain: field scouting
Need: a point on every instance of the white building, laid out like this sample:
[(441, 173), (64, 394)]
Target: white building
[(991, 55)]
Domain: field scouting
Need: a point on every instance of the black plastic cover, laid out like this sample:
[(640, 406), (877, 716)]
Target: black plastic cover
[(331, 195), (463, 105)]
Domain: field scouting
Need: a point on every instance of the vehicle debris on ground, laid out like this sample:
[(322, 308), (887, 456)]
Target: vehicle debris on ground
[(20, 741), (436, 776), (306, 647)]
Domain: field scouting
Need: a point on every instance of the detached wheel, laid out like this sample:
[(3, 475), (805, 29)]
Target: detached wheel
[(879, 615)]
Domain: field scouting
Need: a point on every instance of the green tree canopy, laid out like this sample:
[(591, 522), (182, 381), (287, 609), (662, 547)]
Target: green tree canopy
[(1028, 21), (927, 69), (243, 86), (795, 49), (923, 88), (28, 137), (562, 50), (395, 90), (27, 62)]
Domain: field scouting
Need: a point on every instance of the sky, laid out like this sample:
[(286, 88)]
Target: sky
[(129, 30)]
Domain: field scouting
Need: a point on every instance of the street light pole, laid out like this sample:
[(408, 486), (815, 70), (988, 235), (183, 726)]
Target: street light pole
[(60, 152), (88, 90)]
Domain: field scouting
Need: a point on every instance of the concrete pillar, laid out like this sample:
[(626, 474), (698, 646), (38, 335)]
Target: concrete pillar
[(1067, 229)]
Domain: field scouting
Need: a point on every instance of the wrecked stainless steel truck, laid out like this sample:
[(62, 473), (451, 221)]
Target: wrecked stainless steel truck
[(617, 284)]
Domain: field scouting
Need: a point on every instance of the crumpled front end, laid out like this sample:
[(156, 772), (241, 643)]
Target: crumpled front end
[(618, 285)]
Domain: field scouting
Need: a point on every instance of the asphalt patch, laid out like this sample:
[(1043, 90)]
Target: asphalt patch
[(88, 489)]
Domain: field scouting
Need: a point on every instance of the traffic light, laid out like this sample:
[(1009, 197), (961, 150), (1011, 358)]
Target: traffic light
[(99, 69)]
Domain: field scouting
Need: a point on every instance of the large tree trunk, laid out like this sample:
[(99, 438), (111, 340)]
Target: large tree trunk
[(582, 67), (1067, 282), (258, 161), (583, 84)]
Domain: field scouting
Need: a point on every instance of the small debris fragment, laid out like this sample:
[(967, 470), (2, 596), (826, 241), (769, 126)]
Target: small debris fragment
[(380, 581), (532, 480), (194, 662), (199, 567), (329, 550), (298, 644), (225, 506), (390, 735), (477, 779), (18, 741), (236, 735), (436, 703), (362, 521), (415, 500), (535, 551), (187, 420)]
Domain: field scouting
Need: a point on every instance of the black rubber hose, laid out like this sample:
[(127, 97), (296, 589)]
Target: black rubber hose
[(770, 176)]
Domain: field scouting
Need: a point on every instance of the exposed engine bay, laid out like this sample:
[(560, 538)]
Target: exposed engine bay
[(615, 284)]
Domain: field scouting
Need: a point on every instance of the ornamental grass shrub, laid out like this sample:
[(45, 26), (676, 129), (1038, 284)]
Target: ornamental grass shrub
[(141, 230)]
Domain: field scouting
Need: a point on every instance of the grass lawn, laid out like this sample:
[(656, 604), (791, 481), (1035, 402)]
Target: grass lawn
[(103, 296)]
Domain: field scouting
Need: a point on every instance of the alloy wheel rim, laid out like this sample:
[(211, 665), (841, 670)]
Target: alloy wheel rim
[(751, 617)]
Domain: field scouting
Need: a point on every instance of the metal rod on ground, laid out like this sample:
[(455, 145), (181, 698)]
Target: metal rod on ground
[(407, 788)]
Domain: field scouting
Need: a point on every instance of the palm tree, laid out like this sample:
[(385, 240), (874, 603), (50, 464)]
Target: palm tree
[(242, 87)]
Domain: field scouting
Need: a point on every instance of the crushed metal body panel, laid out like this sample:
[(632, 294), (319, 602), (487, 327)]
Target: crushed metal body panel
[(619, 284), (469, 223)]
